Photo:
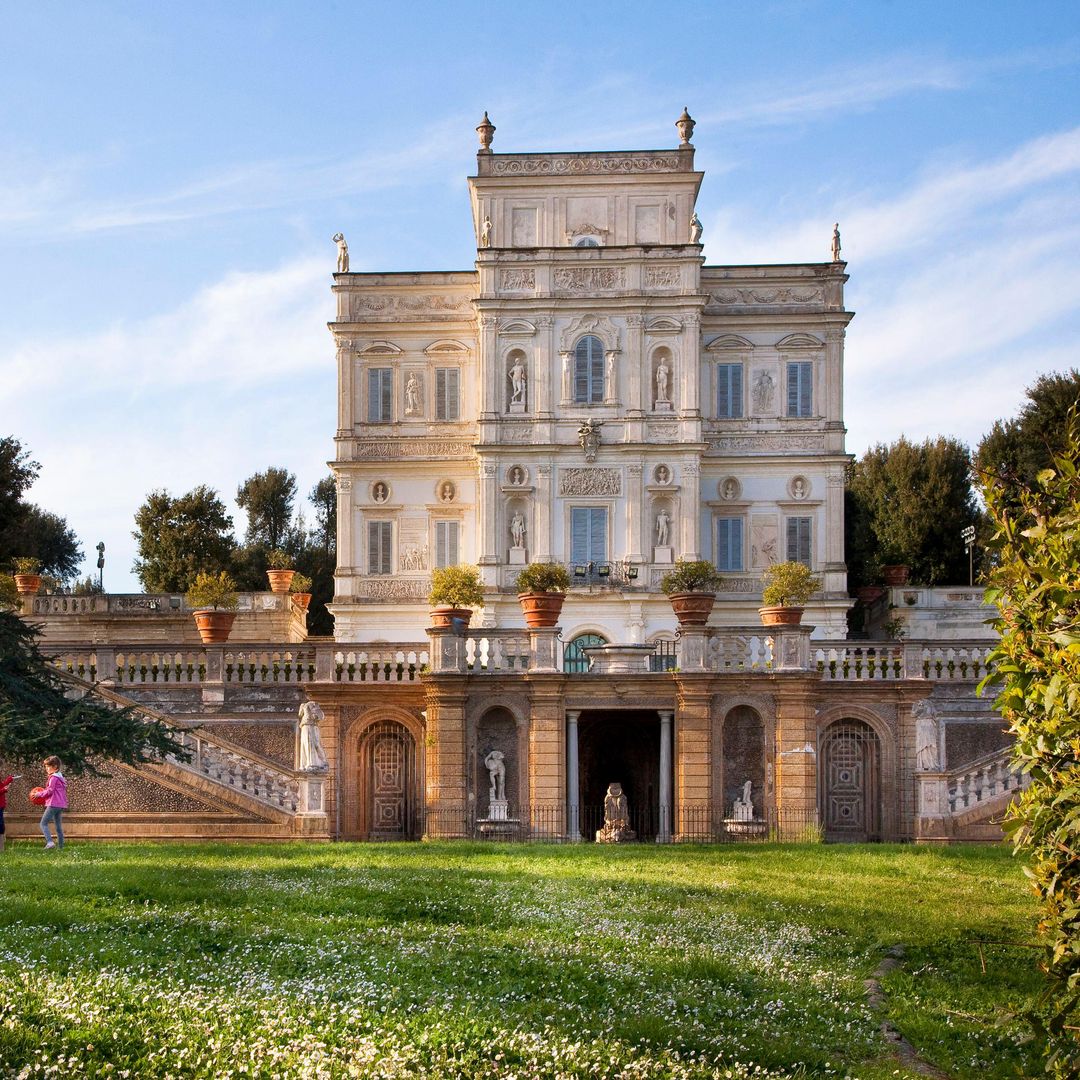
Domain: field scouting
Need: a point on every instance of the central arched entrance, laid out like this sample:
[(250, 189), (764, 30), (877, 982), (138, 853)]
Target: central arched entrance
[(388, 778), (851, 781)]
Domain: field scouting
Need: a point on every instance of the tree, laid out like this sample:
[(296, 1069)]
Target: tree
[(323, 497), (37, 718), (907, 503), (268, 499), (1036, 585), (179, 537), (46, 536), (17, 473)]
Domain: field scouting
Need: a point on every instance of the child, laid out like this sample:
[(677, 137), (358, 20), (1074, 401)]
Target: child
[(55, 802), (4, 785)]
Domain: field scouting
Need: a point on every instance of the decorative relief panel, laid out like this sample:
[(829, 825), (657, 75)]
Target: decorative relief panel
[(590, 278), (518, 278), (412, 448), (660, 432), (814, 294), (590, 482), (393, 588), (574, 164), (763, 444), (751, 585), (365, 305), (661, 277)]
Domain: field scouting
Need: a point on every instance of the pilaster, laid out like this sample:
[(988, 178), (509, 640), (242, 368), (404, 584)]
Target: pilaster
[(445, 783), (546, 377), (796, 757), (544, 539), (693, 759), (547, 745), (635, 515), (691, 511)]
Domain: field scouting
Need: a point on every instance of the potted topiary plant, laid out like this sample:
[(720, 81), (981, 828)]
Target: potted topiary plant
[(788, 586), (300, 587), (691, 588), (279, 570), (27, 575), (541, 591), (455, 591), (214, 598)]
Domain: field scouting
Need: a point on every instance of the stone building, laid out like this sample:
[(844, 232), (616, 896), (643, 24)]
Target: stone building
[(590, 394)]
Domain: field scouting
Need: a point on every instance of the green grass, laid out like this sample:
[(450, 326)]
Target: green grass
[(506, 961)]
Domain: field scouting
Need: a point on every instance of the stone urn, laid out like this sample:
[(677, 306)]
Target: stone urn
[(280, 580), (692, 608), (302, 600), (541, 609), (778, 615), (28, 584), (445, 617), (214, 625), (869, 593), (896, 574)]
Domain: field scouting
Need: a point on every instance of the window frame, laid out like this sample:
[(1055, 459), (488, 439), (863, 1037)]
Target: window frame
[(442, 375), (385, 546), (729, 521), (590, 540), (589, 372), (800, 541), (452, 528), (799, 388), (380, 402), (736, 399)]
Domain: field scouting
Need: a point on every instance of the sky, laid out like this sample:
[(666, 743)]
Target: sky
[(171, 175)]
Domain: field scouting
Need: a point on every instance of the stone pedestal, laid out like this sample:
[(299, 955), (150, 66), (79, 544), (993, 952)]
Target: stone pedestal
[(516, 408), (932, 807), (619, 659), (663, 556), (662, 407), (544, 646), (517, 557), (791, 648), (498, 810)]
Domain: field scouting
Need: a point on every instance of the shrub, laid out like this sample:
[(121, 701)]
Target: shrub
[(216, 591), (26, 564), (300, 583), (279, 560), (543, 578), (788, 584), (456, 586), (691, 576)]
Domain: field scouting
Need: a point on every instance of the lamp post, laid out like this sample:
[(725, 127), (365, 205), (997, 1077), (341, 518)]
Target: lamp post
[(101, 564), (968, 536)]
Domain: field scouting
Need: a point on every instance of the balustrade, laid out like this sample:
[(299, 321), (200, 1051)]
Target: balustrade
[(982, 780)]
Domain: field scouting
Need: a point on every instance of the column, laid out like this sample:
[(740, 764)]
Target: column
[(664, 836), (573, 784)]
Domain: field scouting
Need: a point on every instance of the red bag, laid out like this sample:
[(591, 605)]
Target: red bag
[(37, 796)]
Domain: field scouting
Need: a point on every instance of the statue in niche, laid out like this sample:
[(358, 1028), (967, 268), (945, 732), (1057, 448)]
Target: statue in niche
[(380, 492), (412, 395), (763, 391), (447, 492), (310, 756), (926, 736), (517, 383), (663, 528), (662, 373), (836, 243), (589, 438), (798, 488), (743, 810), (517, 530), (517, 476), (695, 229), (616, 828), (566, 376), (485, 233), (662, 474), (496, 767), (730, 489), (342, 253), (609, 385)]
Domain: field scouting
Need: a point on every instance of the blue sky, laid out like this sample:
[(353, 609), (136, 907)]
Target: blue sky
[(170, 177)]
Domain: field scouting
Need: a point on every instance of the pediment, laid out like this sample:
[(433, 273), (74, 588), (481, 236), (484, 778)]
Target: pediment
[(663, 324), (800, 341), (518, 326), (444, 346), (380, 348), (727, 342), (599, 325)]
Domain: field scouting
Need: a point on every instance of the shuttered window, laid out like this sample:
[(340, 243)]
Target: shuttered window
[(446, 543), (380, 547), (798, 539), (729, 543), (446, 394), (729, 397), (800, 388), (589, 371), (380, 395), (588, 527)]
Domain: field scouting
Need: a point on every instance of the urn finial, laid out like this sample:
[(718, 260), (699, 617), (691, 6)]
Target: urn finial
[(486, 130), (685, 125)]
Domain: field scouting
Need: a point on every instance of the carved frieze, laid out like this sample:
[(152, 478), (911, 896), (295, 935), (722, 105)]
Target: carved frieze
[(580, 279), (662, 431), (590, 482), (366, 305), (751, 585), (580, 164), (517, 278), (384, 450), (660, 277), (763, 444), (813, 294), (391, 588)]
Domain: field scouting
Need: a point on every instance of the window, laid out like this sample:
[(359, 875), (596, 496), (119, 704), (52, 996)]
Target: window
[(800, 388), (380, 555), (588, 528), (446, 543), (380, 395), (586, 241), (729, 391), (729, 543), (798, 539), (589, 371), (575, 662), (446, 393)]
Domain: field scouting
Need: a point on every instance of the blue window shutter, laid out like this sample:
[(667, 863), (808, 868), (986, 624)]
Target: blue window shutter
[(806, 384), (579, 538), (597, 371), (582, 371), (729, 543), (798, 539), (793, 389), (736, 544), (736, 390), (373, 396), (723, 390), (387, 395), (440, 393), (379, 547), (598, 538), (453, 396)]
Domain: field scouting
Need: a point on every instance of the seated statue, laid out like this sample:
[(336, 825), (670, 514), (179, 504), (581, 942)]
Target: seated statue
[(616, 828)]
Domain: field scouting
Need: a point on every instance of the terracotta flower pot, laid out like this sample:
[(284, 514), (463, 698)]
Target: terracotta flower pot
[(869, 593), (896, 574), (779, 615), (692, 608), (280, 580), (28, 584), (542, 609), (214, 626), (301, 600), (448, 618)]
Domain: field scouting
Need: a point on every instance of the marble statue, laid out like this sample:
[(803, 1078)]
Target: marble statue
[(696, 229), (763, 391), (447, 492), (662, 372), (485, 233), (517, 530), (743, 810), (496, 767), (730, 489), (616, 828), (589, 438), (663, 474), (517, 475), (836, 243), (663, 523), (926, 736), (380, 492), (412, 395), (310, 755), (566, 376), (798, 488), (342, 253), (517, 383), (609, 378)]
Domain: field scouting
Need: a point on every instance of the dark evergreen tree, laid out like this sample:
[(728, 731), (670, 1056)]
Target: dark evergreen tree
[(267, 498)]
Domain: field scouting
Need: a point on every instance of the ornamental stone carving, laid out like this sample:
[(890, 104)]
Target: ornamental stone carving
[(581, 164), (518, 278), (764, 443), (344, 484), (376, 304), (582, 279), (598, 325), (393, 450), (662, 277), (392, 588), (764, 388), (811, 295), (599, 482)]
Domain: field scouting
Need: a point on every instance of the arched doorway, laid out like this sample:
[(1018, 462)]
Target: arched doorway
[(388, 797), (851, 781)]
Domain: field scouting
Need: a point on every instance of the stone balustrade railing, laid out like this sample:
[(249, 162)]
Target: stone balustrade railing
[(495, 652), (983, 779), (742, 649), (892, 660)]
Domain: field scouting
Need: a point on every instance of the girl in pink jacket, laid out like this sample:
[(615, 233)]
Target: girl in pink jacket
[(55, 802)]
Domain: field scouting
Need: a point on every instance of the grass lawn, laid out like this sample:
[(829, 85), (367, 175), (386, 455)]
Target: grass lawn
[(506, 961)]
